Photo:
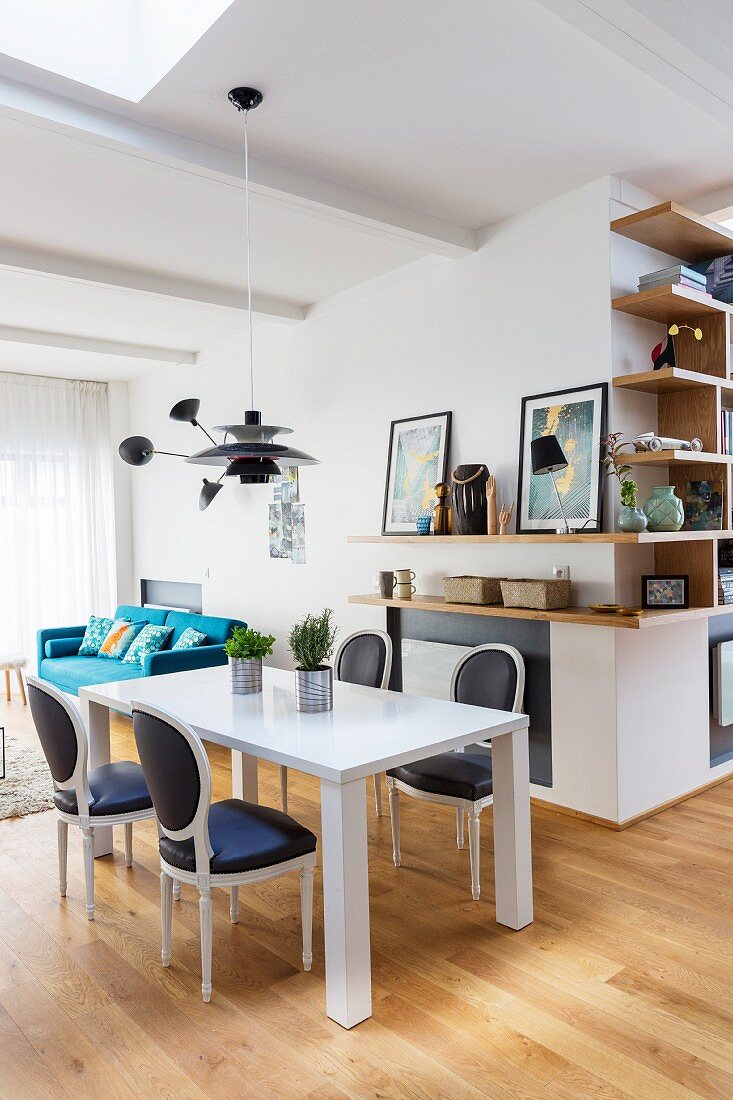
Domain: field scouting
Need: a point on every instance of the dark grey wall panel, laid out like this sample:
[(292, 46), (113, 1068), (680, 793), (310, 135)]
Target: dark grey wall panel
[(531, 638)]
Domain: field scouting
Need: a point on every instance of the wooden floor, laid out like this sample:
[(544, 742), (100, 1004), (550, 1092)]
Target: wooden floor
[(623, 987)]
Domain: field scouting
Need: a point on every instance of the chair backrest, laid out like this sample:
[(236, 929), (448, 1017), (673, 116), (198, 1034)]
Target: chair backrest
[(491, 676), (63, 739), (365, 658), (178, 776)]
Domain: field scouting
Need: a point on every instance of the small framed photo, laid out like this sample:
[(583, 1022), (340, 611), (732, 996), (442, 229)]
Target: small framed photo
[(417, 460), (665, 592)]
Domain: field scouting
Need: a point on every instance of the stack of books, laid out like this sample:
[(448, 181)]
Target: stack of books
[(726, 418), (725, 584), (679, 275)]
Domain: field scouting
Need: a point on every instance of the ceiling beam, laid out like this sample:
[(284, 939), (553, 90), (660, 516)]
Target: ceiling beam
[(54, 265), (35, 338), (672, 62), (21, 104)]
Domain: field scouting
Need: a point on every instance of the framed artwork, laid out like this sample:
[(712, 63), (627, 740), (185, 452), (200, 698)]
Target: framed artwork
[(578, 418), (703, 506), (660, 592), (417, 461)]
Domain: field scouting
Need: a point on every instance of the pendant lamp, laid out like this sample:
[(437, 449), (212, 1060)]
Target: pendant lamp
[(251, 456)]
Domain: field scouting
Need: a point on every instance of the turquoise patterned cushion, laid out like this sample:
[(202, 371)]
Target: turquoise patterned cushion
[(149, 640), (190, 639), (97, 630), (119, 639)]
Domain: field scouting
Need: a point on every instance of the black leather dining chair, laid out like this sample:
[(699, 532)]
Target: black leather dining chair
[(487, 676), (222, 844), (112, 794), (365, 658)]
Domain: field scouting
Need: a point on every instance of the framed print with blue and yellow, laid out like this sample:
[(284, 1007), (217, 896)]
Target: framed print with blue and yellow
[(577, 417), (417, 461)]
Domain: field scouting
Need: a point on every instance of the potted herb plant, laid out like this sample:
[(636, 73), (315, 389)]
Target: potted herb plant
[(311, 643), (630, 517), (245, 650)]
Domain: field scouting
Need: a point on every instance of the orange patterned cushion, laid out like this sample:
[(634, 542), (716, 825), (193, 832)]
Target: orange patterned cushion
[(119, 639)]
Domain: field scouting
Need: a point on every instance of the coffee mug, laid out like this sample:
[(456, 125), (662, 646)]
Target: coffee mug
[(405, 590), (404, 576), (386, 584)]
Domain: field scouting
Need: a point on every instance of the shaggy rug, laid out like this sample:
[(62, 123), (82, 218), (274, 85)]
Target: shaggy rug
[(27, 787)]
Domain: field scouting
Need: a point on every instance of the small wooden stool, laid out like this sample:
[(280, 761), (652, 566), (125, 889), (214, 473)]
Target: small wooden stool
[(14, 664)]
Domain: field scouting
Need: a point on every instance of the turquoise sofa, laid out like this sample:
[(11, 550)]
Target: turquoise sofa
[(59, 661)]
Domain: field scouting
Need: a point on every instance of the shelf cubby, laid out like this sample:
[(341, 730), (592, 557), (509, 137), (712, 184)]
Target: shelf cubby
[(677, 231)]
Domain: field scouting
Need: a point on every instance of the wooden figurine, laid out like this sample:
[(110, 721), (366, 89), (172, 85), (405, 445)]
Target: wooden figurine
[(469, 500), (491, 504), (442, 519), (505, 516)]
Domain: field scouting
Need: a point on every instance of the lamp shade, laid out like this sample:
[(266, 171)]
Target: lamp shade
[(547, 455), (186, 410), (136, 450), (207, 494)]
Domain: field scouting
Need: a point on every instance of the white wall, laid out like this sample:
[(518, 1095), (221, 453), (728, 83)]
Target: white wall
[(527, 313)]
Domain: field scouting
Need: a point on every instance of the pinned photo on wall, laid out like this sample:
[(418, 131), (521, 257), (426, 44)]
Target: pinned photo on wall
[(275, 530), (289, 485), (298, 513)]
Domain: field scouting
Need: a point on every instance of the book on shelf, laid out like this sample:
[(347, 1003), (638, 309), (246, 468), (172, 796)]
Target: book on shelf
[(675, 269), (675, 280), (726, 431)]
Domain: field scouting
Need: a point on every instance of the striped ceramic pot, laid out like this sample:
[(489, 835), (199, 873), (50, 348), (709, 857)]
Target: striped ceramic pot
[(246, 675), (314, 690)]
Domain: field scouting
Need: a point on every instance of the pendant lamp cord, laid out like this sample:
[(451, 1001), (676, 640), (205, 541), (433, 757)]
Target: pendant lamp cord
[(249, 267)]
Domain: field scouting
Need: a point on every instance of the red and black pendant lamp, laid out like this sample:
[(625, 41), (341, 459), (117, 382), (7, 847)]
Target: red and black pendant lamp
[(253, 457)]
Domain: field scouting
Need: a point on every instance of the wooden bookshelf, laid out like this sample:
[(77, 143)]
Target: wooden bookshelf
[(582, 616), (691, 395), (670, 303), (622, 538), (677, 458), (670, 380), (679, 232)]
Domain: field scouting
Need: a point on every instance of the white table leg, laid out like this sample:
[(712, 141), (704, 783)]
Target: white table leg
[(96, 720), (244, 777), (346, 902), (512, 829)]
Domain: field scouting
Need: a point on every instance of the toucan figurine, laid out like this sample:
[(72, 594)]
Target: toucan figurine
[(663, 355)]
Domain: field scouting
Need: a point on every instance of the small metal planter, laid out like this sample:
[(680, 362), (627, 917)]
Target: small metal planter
[(246, 675), (314, 690)]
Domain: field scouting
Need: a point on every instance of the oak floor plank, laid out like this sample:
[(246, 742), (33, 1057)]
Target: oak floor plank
[(622, 988)]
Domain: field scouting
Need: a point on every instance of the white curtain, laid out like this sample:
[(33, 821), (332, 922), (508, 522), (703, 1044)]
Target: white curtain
[(57, 563)]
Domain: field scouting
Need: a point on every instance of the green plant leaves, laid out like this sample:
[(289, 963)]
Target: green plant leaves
[(248, 645), (312, 640)]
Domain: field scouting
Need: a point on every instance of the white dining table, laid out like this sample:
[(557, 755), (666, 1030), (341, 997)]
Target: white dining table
[(368, 731)]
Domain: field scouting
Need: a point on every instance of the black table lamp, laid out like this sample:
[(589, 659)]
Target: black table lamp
[(547, 458)]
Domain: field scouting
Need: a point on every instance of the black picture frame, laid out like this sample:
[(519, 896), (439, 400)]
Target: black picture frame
[(589, 525), (408, 527), (676, 605)]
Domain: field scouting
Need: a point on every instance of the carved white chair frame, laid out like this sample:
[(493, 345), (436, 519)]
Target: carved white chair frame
[(79, 783), (198, 831), (385, 681), (462, 806)]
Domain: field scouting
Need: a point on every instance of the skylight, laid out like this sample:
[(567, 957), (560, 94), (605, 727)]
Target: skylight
[(123, 47)]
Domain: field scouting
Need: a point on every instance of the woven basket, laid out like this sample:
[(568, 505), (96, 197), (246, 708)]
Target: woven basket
[(481, 590), (542, 595)]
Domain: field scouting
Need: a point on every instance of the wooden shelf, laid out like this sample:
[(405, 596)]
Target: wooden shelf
[(582, 616), (670, 380), (612, 537), (677, 231), (677, 458), (669, 303)]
